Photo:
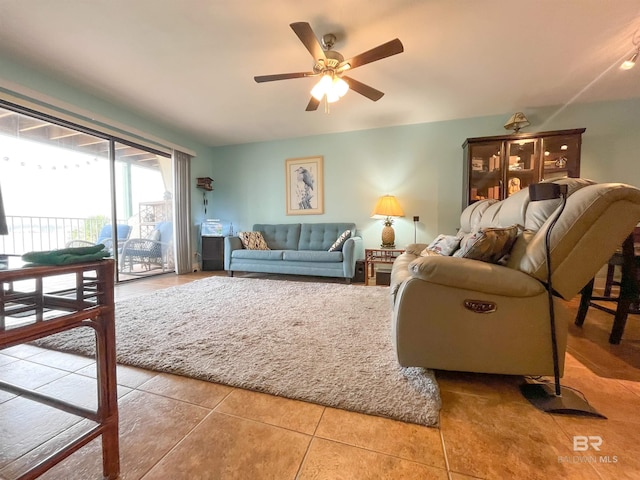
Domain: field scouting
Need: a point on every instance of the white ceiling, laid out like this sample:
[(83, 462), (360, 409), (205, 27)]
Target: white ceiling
[(190, 63)]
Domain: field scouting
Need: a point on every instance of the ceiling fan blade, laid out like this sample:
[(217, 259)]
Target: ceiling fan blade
[(369, 92), (313, 105), (308, 38), (381, 51), (283, 76)]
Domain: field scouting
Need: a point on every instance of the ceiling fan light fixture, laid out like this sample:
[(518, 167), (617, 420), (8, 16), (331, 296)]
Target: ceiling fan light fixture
[(332, 96), (322, 87), (340, 86), (331, 86)]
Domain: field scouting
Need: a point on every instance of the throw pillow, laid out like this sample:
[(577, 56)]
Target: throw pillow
[(337, 245), (154, 235), (442, 245), (253, 241), (488, 244)]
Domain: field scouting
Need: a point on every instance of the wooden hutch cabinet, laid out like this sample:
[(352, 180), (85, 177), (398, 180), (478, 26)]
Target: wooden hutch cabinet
[(496, 167)]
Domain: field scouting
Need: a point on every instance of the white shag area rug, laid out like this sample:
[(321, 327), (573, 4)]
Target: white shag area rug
[(324, 343)]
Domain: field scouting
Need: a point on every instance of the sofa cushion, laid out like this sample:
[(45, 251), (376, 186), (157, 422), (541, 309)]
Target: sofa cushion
[(257, 254), (320, 236), (283, 236), (312, 256), (337, 245), (488, 244), (253, 241)]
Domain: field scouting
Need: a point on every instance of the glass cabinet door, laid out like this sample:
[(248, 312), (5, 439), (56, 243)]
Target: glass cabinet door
[(522, 165), (497, 167), (561, 156), (485, 171)]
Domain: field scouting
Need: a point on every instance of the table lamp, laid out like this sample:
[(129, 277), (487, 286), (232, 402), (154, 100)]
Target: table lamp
[(387, 207), (540, 395)]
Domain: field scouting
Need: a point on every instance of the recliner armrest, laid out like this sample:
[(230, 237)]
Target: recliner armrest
[(468, 274), (416, 248)]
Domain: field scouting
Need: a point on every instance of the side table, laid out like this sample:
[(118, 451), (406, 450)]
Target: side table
[(29, 311), (375, 256), (212, 253)]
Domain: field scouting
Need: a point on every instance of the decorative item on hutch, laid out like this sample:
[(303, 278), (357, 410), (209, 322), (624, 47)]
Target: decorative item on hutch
[(517, 121)]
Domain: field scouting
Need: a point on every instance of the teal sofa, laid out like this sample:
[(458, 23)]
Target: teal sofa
[(297, 249)]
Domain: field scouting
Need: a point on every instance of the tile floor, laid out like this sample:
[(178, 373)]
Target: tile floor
[(173, 427)]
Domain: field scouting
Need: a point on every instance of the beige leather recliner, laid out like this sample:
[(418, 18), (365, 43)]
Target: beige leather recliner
[(433, 328)]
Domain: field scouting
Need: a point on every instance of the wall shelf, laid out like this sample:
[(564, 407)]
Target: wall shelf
[(205, 183)]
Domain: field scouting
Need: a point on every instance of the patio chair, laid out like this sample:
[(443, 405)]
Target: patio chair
[(105, 236), (155, 250)]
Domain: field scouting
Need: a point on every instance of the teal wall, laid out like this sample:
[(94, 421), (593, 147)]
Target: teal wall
[(420, 164)]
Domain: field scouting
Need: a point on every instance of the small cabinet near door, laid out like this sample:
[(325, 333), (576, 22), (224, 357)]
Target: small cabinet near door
[(212, 253), (496, 167)]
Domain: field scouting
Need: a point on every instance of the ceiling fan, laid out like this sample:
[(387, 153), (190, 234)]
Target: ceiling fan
[(331, 66)]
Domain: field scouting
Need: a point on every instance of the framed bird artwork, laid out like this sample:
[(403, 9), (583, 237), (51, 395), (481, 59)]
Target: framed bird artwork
[(305, 186)]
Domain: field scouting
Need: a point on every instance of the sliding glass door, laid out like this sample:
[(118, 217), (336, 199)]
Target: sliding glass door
[(144, 196), (64, 186)]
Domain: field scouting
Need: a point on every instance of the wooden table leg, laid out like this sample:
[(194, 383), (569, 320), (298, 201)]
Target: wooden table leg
[(107, 383), (108, 406), (585, 301), (367, 266), (628, 291)]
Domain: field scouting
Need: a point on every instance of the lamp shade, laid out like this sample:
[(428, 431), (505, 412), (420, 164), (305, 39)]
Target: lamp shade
[(388, 206), (4, 230)]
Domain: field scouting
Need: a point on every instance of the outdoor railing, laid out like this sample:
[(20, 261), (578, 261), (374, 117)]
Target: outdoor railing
[(27, 234)]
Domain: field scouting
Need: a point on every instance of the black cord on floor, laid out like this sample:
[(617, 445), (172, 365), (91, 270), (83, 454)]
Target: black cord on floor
[(541, 379)]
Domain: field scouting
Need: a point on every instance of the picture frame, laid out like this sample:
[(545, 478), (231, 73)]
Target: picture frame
[(304, 186)]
